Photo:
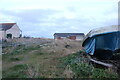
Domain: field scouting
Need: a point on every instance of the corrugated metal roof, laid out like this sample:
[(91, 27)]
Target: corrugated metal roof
[(67, 34), (6, 26)]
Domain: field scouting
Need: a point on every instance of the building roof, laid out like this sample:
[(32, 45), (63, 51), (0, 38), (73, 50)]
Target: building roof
[(68, 34), (6, 26)]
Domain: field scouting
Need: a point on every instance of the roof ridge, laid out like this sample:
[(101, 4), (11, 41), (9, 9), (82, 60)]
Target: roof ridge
[(7, 23)]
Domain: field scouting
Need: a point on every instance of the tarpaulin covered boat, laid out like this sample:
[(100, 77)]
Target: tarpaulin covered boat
[(102, 42)]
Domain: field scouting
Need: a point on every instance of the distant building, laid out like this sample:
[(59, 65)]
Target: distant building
[(9, 30), (72, 36)]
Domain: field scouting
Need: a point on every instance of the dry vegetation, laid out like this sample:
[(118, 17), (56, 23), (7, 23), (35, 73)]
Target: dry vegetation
[(46, 58)]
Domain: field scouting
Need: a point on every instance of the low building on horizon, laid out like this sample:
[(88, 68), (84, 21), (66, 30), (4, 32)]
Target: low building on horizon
[(72, 36)]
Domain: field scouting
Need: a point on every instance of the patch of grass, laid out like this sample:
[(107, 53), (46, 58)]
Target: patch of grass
[(9, 58), (17, 71), (84, 70), (39, 53), (45, 64), (18, 67), (15, 59), (101, 73), (68, 59), (21, 49), (79, 64), (24, 50), (81, 70)]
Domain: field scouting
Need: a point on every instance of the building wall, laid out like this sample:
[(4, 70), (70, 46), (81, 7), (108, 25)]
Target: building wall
[(72, 37), (59, 38), (15, 31), (76, 37), (55, 37), (80, 37), (2, 35)]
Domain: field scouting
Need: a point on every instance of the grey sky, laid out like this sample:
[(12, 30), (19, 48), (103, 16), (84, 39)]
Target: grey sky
[(42, 18)]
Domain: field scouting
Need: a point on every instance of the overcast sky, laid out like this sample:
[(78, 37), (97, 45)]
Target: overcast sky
[(43, 18)]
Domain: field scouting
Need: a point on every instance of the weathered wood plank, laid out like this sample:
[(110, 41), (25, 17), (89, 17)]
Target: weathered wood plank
[(102, 63)]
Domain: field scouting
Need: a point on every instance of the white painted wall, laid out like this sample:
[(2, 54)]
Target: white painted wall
[(2, 35)]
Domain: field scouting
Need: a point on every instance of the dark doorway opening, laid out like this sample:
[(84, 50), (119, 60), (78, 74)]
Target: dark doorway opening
[(9, 35)]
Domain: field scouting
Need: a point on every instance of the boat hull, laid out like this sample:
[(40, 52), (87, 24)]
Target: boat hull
[(103, 45)]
